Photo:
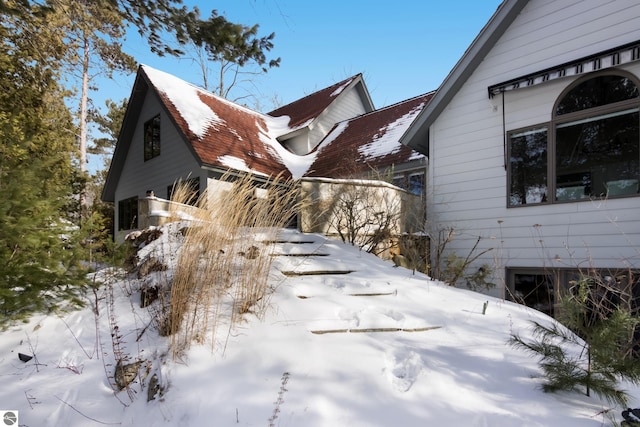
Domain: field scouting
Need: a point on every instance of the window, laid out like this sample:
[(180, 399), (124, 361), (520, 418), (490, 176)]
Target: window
[(590, 149), (192, 187), (533, 288), (413, 182), (541, 288), (528, 163), (152, 138), (128, 214)]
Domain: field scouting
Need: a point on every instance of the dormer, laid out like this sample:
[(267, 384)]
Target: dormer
[(312, 117)]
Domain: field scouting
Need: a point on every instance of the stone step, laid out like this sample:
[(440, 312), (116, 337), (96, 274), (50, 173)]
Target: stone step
[(364, 294), (365, 330), (315, 272)]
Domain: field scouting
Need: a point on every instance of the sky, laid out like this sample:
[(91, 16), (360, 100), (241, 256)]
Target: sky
[(403, 48), (377, 347)]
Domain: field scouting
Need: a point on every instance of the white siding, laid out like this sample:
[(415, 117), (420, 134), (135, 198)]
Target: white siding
[(467, 172), (347, 106), (298, 144), (174, 162)]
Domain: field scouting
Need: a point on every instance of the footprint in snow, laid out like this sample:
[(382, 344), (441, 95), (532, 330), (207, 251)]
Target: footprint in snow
[(393, 314), (350, 316), (402, 369)]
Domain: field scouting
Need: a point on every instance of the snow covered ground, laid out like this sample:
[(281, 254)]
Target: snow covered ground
[(379, 346)]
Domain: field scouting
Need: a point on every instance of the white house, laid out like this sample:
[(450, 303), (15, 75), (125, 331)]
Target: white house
[(534, 146)]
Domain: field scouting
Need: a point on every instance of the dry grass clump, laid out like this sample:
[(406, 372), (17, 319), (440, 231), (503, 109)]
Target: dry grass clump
[(223, 266)]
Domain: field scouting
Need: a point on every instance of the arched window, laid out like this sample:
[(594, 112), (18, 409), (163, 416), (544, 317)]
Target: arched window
[(591, 148), (596, 139)]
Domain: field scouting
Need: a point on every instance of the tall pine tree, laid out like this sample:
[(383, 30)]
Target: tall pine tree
[(39, 269)]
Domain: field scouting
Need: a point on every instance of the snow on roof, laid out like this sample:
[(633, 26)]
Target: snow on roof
[(296, 164), (186, 99), (386, 141), (235, 163), (227, 135), (368, 141), (340, 88), (222, 133)]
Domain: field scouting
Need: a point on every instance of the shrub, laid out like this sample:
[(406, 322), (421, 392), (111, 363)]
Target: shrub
[(595, 350)]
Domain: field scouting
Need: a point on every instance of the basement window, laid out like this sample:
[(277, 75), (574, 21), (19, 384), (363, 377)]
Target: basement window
[(542, 288)]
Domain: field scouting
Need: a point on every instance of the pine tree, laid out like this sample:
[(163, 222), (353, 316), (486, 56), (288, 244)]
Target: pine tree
[(39, 267), (594, 346), (234, 47)]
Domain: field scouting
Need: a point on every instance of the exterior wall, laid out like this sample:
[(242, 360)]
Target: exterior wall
[(467, 171), (174, 162), (299, 144), (215, 189), (155, 212), (318, 213), (347, 106)]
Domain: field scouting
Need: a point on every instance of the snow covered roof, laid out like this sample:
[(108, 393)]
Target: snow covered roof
[(370, 141), (226, 135), (222, 133), (305, 110)]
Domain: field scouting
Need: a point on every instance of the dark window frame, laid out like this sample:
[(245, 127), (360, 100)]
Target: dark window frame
[(128, 213), (151, 137), (564, 278), (576, 179), (404, 180)]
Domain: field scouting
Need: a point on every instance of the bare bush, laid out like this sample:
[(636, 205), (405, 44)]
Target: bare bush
[(365, 215), (452, 268)]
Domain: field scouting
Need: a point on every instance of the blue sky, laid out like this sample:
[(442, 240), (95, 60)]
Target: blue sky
[(403, 48)]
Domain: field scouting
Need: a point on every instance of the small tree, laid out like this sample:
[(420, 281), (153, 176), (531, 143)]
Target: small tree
[(598, 346), (452, 268)]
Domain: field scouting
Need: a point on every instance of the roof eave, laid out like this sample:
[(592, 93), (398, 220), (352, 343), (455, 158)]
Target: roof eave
[(138, 93), (365, 95), (416, 137)]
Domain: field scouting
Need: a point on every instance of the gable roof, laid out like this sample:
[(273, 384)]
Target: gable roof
[(222, 134), (369, 142), (417, 136), (305, 110), (219, 133)]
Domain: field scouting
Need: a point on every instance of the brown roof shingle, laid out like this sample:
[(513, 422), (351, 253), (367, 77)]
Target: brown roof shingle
[(368, 142), (311, 106), (235, 139), (226, 135)]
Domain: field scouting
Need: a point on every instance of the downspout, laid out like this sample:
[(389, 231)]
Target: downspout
[(504, 134)]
